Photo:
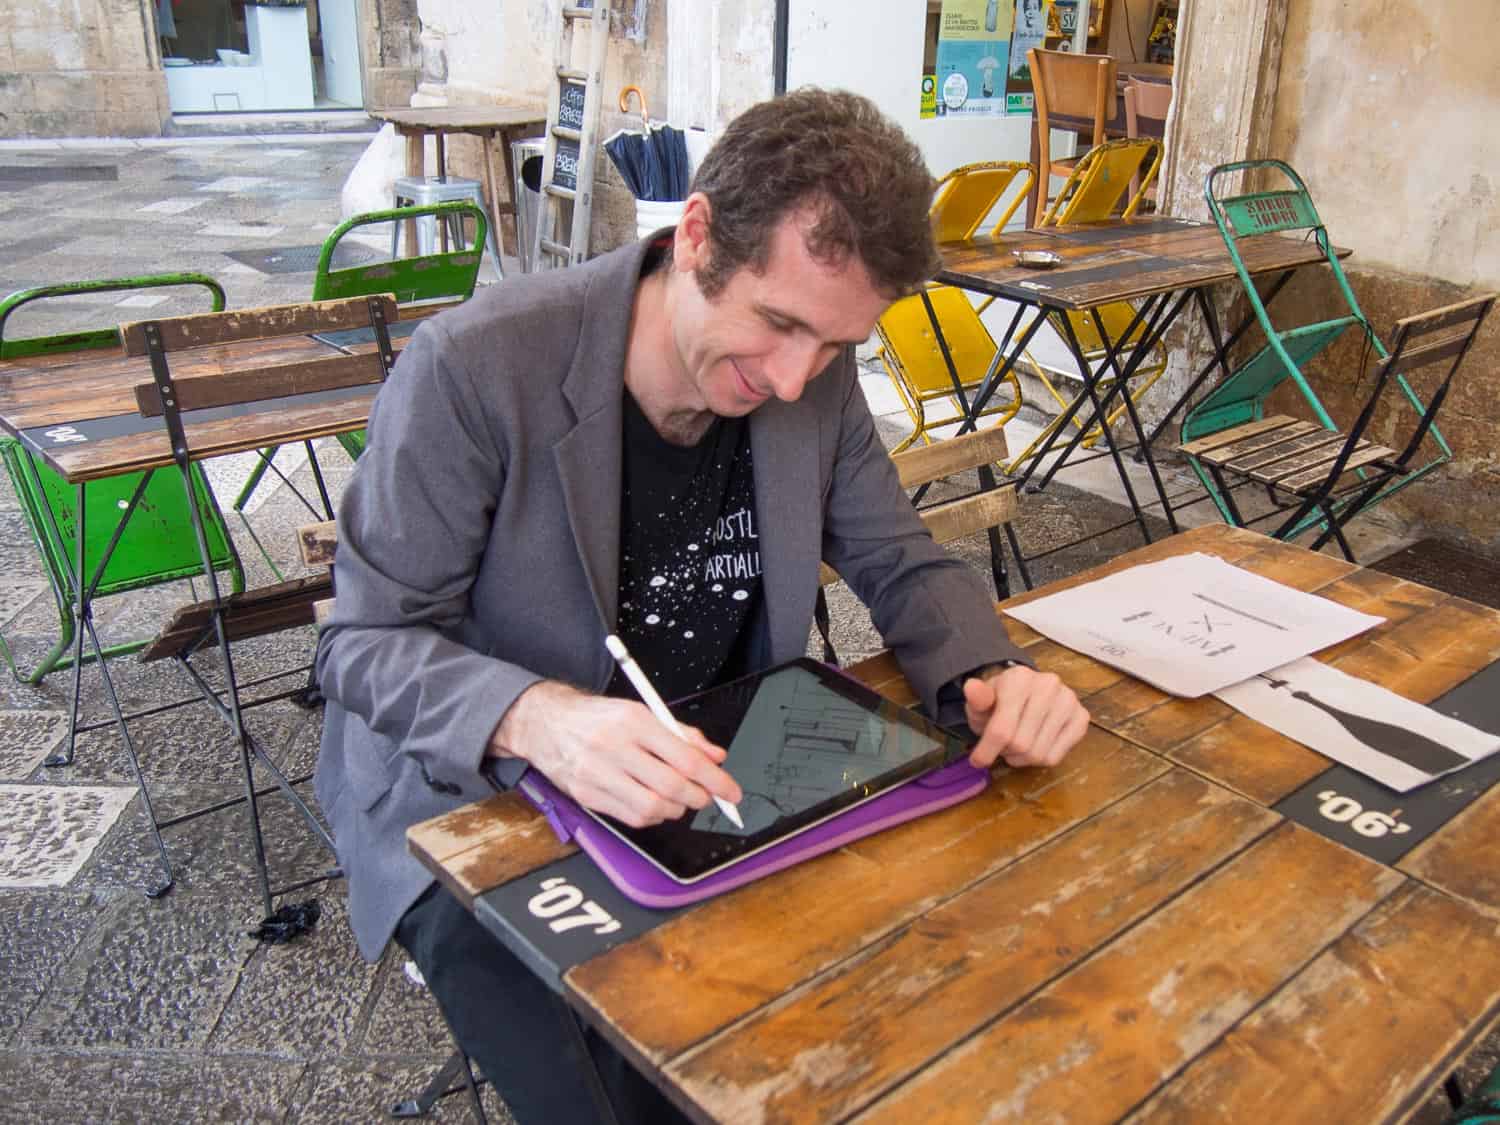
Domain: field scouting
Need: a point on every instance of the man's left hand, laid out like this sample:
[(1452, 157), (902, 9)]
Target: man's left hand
[(1026, 717)]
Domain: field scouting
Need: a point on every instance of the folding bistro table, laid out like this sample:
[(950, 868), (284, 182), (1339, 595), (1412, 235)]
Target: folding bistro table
[(1180, 922), (1158, 263), (84, 415)]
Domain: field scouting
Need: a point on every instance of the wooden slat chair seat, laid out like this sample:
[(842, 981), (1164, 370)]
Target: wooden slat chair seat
[(254, 613), (218, 621), (991, 508), (1316, 476), (1285, 454)]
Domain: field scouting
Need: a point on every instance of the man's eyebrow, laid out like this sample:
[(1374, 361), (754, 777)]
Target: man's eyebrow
[(797, 322)]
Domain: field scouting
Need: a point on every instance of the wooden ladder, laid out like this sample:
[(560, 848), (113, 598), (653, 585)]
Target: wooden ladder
[(562, 230)]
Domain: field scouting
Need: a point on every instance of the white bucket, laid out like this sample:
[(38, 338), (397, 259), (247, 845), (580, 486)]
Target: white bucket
[(651, 216)]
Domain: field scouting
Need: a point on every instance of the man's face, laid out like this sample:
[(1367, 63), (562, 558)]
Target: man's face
[(768, 334)]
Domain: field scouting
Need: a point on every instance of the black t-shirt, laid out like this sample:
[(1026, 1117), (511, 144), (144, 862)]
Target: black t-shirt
[(689, 554)]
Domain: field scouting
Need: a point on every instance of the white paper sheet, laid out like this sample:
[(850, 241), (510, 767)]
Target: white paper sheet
[(1384, 736), (1192, 624)]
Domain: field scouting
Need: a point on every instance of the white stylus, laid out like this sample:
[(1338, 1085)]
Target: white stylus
[(658, 708)]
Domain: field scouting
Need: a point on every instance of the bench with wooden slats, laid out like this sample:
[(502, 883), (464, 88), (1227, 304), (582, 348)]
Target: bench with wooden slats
[(1283, 453), (954, 519)]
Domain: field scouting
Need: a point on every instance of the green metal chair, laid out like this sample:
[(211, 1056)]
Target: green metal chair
[(1482, 1107), (429, 277), (1241, 398), (156, 544), (1312, 475)]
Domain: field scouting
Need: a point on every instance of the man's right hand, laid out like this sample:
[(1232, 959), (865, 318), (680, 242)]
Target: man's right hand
[(612, 755)]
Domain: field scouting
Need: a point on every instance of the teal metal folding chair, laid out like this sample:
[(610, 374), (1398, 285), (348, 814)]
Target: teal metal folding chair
[(1314, 476), (447, 274), (155, 544), (1270, 212)]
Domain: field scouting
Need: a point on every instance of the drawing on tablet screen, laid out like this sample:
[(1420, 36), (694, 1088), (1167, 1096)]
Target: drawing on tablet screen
[(800, 743)]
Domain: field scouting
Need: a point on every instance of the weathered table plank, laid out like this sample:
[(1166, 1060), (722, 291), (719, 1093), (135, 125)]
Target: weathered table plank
[(1353, 1037), (486, 844), (1020, 928), (1094, 1043), (744, 949)]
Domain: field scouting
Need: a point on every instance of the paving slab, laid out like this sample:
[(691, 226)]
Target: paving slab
[(148, 974), (80, 1086), (337, 1093), (38, 933), (51, 830), (302, 999)]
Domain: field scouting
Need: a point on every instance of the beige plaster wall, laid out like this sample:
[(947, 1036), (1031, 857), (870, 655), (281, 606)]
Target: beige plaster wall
[(1387, 110), (502, 52), (79, 68)]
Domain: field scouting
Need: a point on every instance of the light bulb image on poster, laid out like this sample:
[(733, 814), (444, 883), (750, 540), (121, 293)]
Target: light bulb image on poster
[(973, 46)]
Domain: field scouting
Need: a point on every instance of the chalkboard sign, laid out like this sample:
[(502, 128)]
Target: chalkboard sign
[(570, 104), (565, 167)]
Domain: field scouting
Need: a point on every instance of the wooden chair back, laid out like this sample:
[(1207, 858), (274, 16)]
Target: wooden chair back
[(1065, 85), (161, 338), (980, 510), (989, 508), (1146, 101)]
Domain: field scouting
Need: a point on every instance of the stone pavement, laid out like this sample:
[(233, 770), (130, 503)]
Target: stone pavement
[(117, 1007)]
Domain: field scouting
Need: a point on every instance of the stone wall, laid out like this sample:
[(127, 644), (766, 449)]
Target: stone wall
[(92, 68), (1383, 109), (503, 53), (79, 68)]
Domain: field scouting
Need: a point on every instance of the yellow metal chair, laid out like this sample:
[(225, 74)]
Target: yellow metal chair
[(913, 359), (1093, 193), (966, 196), (963, 200)]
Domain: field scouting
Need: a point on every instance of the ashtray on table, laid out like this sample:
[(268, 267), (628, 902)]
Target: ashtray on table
[(1037, 259)]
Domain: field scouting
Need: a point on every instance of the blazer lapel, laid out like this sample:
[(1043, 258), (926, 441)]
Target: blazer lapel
[(588, 457)]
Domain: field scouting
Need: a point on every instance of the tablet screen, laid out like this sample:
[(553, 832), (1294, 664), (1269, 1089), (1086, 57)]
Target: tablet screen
[(804, 743)]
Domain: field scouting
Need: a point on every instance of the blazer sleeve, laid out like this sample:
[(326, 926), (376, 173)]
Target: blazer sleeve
[(931, 608), (414, 524)]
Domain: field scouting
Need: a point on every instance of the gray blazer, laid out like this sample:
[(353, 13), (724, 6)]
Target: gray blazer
[(479, 541)]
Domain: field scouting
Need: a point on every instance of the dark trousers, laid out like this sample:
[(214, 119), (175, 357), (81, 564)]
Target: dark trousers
[(517, 1029)]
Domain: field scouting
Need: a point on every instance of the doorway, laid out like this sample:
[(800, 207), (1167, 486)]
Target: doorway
[(260, 55)]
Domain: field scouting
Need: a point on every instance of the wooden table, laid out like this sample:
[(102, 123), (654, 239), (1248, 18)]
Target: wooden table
[(505, 122), (1136, 933), (1158, 263), (48, 402)]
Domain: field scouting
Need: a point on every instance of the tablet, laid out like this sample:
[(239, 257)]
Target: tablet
[(805, 743)]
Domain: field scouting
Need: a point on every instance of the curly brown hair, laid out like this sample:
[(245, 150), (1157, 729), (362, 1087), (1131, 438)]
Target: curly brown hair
[(833, 151)]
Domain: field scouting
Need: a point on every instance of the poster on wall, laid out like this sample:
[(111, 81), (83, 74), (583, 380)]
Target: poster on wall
[(973, 48), (1030, 30)]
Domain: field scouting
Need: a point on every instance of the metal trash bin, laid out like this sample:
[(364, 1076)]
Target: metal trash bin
[(526, 157)]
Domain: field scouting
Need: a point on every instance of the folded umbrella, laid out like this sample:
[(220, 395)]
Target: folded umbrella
[(653, 162)]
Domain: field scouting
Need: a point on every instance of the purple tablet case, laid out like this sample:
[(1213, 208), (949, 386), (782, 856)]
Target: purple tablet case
[(640, 880)]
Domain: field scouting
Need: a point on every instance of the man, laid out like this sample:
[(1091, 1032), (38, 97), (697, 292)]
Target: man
[(590, 451)]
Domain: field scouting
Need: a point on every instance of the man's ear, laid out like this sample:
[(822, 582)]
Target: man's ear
[(690, 246)]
